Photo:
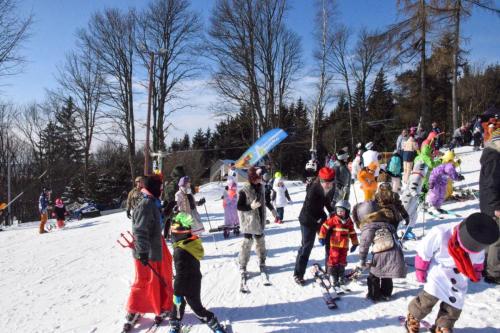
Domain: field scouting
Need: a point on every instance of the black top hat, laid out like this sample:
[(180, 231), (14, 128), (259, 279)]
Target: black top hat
[(477, 232)]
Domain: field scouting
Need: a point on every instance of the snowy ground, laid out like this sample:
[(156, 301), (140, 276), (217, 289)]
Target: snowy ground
[(77, 280)]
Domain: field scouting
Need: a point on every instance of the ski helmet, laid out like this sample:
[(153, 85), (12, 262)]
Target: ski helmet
[(343, 204), (342, 155), (369, 145), (278, 174)]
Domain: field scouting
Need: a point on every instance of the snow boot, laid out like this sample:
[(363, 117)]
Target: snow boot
[(175, 326), (215, 326), (132, 319), (236, 231), (412, 325), (225, 233), (161, 317), (299, 280), (41, 229), (435, 329)]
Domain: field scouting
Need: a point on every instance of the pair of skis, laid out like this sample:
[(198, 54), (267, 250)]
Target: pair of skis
[(323, 280), (264, 277)]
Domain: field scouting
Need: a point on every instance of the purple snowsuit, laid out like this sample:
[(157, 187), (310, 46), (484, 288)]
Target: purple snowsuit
[(438, 181), (230, 210)]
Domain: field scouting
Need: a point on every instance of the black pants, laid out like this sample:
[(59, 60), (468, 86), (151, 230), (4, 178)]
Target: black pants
[(194, 302), (378, 287), (308, 237)]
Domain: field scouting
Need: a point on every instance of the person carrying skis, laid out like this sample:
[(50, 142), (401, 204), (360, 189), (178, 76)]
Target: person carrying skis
[(447, 258), (188, 251), (59, 213), (368, 181), (230, 203), (280, 196), (318, 197), (187, 204), (43, 208), (135, 195), (342, 177), (394, 170), (336, 231), (387, 261), (152, 290), (252, 214)]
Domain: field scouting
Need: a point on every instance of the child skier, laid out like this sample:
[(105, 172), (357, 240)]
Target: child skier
[(188, 251), (280, 196), (59, 213), (367, 179), (438, 182), (336, 231), (446, 259), (230, 203), (187, 204)]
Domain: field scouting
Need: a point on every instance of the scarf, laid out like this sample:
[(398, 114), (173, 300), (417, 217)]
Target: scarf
[(192, 245), (460, 257)]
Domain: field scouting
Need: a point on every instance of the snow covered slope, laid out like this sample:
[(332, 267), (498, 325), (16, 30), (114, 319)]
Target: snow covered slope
[(77, 280)]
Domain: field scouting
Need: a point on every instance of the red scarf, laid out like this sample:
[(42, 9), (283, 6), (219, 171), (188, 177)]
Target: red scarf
[(461, 258)]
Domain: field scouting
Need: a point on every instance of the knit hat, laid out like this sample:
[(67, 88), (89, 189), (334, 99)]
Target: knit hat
[(230, 182), (181, 226), (326, 174), (153, 184), (495, 135), (477, 232), (369, 145), (184, 181)]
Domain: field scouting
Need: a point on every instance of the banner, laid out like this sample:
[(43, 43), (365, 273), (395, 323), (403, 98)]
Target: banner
[(260, 148)]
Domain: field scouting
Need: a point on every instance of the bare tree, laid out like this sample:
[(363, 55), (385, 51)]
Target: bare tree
[(31, 121), (111, 37), (339, 62), (81, 77), (14, 30), (255, 54), (324, 34), (172, 32)]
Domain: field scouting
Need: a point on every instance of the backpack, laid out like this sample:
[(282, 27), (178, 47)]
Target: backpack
[(383, 240)]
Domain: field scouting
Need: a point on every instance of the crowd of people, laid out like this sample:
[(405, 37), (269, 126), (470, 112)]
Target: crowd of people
[(417, 173)]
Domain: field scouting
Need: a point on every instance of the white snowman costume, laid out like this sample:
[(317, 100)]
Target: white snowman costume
[(444, 281), (280, 200)]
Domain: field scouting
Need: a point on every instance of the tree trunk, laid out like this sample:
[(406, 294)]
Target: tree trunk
[(456, 48), (423, 92)]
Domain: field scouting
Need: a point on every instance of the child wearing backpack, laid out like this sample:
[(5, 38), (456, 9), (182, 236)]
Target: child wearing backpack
[(334, 234), (188, 251)]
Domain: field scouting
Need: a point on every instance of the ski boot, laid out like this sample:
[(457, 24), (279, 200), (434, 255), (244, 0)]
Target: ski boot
[(161, 317), (412, 324), (132, 319), (409, 235), (175, 326), (236, 231), (225, 233), (435, 329), (299, 280), (215, 326)]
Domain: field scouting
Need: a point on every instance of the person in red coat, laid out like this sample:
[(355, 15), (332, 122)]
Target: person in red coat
[(336, 232), (152, 290)]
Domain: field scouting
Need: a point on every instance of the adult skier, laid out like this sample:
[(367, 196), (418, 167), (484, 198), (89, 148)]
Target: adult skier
[(135, 195), (342, 177), (43, 208)]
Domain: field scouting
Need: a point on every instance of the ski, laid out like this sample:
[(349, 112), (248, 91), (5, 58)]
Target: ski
[(157, 322), (129, 325), (320, 276), (436, 215), (447, 212), (423, 324), (353, 275)]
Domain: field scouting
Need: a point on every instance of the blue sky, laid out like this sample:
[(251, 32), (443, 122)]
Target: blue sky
[(56, 21)]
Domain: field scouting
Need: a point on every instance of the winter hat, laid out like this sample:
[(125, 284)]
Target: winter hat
[(342, 155), (153, 184), (326, 174), (477, 232), (253, 174), (369, 145), (495, 135), (59, 202), (448, 157), (278, 174), (230, 183), (181, 226), (184, 181)]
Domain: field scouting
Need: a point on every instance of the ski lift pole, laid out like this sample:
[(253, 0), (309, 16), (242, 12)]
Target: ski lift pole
[(210, 225)]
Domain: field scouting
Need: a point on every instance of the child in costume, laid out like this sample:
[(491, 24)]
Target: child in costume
[(280, 196), (447, 258), (230, 203), (438, 182), (367, 179), (336, 232), (187, 204), (188, 251)]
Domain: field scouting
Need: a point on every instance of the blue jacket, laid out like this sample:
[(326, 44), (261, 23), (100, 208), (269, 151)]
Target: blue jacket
[(394, 168), (43, 203)]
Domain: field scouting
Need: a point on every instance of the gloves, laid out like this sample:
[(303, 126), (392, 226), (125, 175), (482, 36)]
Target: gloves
[(255, 204), (407, 221), (201, 201), (421, 275), (461, 177), (421, 267), (128, 214), (143, 258), (353, 248), (321, 241)]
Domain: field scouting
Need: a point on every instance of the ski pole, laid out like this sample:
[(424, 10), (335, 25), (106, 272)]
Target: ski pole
[(157, 275), (210, 225)]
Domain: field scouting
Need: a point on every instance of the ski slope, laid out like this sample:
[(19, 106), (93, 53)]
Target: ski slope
[(77, 279)]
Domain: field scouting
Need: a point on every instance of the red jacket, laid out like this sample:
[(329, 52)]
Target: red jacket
[(339, 232)]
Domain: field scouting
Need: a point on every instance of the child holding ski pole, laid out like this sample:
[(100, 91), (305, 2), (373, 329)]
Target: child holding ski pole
[(230, 203), (188, 251), (447, 258), (336, 231)]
